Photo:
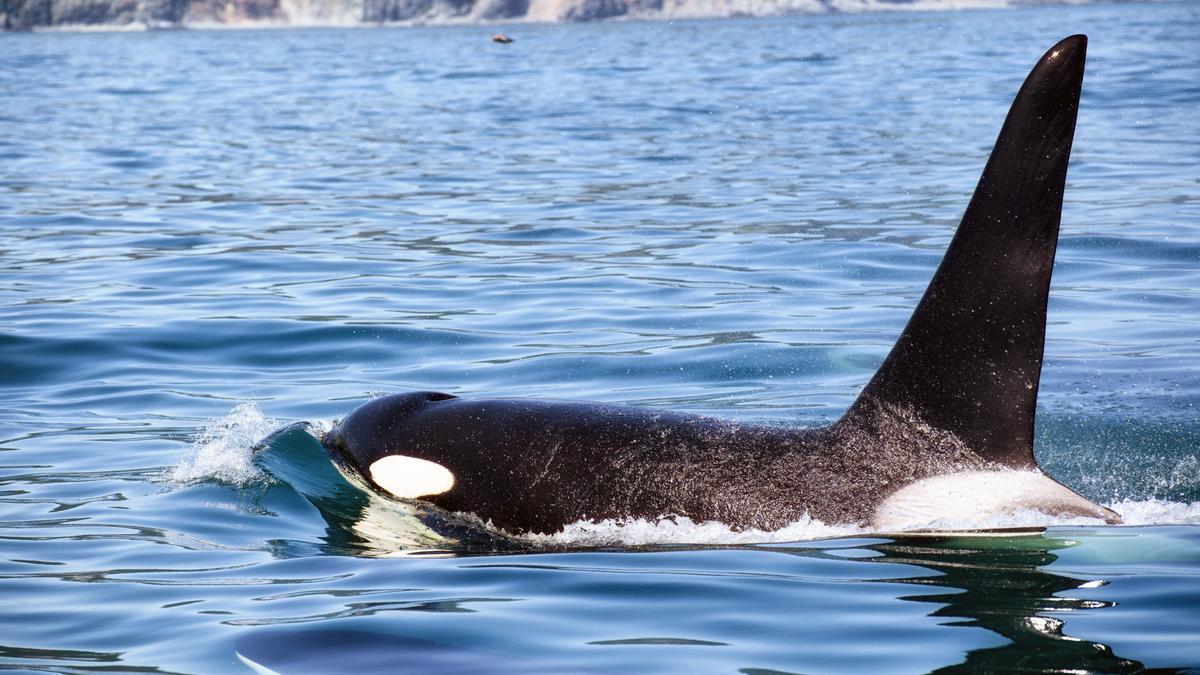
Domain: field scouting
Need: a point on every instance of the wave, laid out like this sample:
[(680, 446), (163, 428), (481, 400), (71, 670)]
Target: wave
[(223, 450)]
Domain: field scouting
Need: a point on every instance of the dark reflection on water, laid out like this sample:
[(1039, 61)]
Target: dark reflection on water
[(324, 650), (1000, 584), (996, 583)]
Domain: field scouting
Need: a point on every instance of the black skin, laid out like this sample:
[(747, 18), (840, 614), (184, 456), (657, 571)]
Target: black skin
[(958, 391), (533, 466)]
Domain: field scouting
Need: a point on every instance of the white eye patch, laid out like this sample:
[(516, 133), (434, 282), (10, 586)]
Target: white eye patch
[(410, 477)]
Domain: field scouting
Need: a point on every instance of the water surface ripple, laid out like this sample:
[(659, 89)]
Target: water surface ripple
[(724, 217)]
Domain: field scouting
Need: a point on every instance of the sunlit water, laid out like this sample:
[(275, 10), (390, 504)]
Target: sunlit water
[(206, 237)]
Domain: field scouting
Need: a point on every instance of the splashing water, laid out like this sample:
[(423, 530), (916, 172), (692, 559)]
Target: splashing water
[(683, 530), (1158, 512), (223, 451)]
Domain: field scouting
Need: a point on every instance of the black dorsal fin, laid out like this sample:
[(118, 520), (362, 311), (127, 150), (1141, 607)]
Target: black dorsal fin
[(969, 360)]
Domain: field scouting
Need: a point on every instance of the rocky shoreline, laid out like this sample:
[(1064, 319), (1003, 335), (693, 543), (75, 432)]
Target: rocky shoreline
[(18, 15)]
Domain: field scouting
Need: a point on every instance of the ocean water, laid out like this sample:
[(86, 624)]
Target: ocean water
[(218, 241)]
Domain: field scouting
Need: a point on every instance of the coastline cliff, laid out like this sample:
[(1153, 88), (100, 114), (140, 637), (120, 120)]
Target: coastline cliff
[(165, 14)]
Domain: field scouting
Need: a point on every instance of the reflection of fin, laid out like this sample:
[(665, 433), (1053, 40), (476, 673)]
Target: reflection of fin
[(969, 360), (1006, 586)]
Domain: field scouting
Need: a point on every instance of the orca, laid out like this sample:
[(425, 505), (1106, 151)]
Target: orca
[(945, 428)]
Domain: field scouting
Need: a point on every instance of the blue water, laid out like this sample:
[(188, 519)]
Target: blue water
[(208, 236)]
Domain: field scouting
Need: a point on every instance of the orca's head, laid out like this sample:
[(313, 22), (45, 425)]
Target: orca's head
[(372, 430), (373, 441)]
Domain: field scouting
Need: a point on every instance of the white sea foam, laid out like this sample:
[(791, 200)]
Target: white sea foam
[(223, 451), (672, 531), (321, 427), (1157, 512), (680, 530)]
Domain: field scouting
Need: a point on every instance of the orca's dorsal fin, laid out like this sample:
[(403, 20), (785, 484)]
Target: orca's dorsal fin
[(969, 360)]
